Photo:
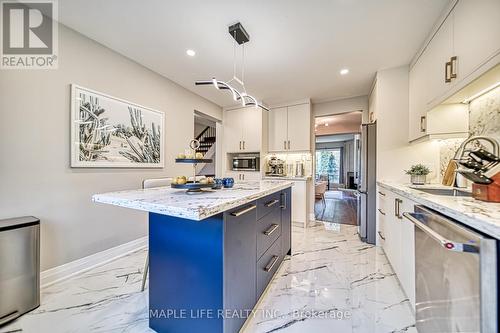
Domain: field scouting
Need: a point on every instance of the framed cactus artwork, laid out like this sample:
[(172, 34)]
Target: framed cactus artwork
[(108, 132)]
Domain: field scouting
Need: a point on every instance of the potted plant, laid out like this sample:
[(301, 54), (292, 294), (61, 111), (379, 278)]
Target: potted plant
[(418, 173)]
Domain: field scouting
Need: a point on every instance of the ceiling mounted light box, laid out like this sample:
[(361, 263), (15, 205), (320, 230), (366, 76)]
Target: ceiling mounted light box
[(241, 37)]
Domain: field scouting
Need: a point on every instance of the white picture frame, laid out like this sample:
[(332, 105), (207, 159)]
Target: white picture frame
[(109, 132)]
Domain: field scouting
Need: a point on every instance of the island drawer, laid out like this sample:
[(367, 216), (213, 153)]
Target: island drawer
[(268, 230), (268, 265), (268, 204)]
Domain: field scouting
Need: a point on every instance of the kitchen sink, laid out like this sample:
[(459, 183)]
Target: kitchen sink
[(445, 192)]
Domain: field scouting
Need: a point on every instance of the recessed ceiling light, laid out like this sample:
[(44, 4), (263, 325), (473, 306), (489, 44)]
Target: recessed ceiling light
[(190, 53), (344, 71), (326, 124)]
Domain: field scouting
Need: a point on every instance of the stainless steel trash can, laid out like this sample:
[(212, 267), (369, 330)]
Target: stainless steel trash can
[(19, 266)]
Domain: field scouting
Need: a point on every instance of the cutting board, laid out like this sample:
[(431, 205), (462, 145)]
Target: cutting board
[(450, 174)]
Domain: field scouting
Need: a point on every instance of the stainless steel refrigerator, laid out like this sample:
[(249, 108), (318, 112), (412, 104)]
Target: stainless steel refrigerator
[(367, 184)]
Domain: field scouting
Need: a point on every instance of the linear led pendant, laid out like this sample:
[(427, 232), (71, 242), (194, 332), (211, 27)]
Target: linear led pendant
[(240, 36)]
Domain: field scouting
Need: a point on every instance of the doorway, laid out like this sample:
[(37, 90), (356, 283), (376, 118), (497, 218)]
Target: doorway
[(336, 167), (205, 131)]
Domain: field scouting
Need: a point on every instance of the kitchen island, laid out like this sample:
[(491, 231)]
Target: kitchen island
[(212, 254)]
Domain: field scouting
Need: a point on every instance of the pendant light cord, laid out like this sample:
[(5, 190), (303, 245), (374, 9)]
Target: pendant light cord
[(243, 67), (234, 56)]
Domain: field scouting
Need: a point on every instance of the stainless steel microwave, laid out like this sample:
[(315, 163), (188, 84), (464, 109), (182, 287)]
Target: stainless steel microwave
[(246, 163)]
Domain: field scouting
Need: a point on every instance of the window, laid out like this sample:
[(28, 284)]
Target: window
[(329, 165)]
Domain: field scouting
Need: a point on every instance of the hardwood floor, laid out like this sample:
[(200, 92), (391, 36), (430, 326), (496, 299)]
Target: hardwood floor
[(340, 207)]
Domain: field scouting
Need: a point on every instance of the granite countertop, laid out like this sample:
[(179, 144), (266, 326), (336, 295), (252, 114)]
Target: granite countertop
[(287, 178), (479, 215), (198, 206)]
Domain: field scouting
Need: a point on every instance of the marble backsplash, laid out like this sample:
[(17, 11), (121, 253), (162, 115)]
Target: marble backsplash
[(484, 119)]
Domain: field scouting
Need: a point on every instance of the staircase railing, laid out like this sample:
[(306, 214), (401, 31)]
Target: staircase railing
[(206, 139)]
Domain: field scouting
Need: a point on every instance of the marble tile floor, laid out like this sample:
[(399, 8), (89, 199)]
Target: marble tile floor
[(331, 283)]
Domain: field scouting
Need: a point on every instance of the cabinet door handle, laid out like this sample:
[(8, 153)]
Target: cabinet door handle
[(288, 144), (271, 263), (423, 126), (243, 145), (453, 71), (396, 207), (381, 193), (284, 145), (240, 145), (399, 202), (243, 211), (243, 176), (447, 72), (271, 203), (380, 234), (271, 229), (381, 212)]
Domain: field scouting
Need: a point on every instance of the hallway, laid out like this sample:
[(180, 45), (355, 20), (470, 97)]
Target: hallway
[(340, 206)]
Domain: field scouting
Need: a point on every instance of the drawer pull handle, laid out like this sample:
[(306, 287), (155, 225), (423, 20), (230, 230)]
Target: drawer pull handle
[(243, 211), (380, 234), (381, 193), (271, 264), (272, 203), (271, 229), (381, 212), (283, 200)]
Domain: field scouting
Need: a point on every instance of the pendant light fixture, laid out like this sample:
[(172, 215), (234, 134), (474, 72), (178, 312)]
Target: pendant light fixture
[(240, 36)]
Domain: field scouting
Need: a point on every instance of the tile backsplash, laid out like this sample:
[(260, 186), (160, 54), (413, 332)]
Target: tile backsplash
[(484, 119), (484, 115)]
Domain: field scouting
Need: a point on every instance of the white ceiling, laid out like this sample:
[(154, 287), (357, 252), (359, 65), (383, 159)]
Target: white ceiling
[(296, 48)]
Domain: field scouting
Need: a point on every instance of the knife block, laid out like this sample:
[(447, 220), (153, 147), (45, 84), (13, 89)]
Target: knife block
[(490, 192)]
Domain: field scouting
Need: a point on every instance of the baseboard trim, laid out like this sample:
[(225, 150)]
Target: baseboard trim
[(66, 271)]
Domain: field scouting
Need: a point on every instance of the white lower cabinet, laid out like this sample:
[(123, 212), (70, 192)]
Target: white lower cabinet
[(399, 238), (299, 202)]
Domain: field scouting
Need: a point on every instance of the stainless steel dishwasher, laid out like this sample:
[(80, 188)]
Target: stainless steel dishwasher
[(455, 275), (19, 267)]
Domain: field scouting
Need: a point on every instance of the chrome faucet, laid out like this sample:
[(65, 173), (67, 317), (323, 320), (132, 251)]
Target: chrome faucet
[(461, 150)]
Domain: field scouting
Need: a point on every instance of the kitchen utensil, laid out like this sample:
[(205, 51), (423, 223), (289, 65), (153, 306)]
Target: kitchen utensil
[(450, 173), (299, 169), (472, 164), (480, 154), (475, 176)]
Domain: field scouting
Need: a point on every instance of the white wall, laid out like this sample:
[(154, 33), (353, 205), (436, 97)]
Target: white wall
[(394, 153), (359, 103), (35, 174)]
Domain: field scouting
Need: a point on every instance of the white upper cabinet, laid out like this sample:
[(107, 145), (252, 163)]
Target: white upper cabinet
[(232, 131), (278, 119), (417, 101), (466, 44), (299, 127), (477, 34), (243, 130), (252, 129), (290, 128), (434, 60)]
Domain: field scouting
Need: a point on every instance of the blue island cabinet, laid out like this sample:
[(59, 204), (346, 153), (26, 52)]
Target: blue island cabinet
[(206, 276)]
